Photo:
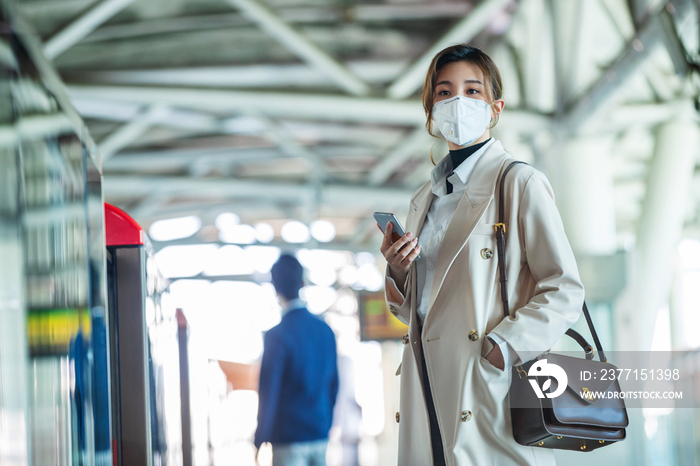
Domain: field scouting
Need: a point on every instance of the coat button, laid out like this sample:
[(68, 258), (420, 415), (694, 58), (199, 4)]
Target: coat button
[(466, 415), (473, 335), (397, 417), (405, 339), (486, 253)]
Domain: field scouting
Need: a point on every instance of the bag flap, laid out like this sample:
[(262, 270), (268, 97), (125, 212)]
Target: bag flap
[(600, 375)]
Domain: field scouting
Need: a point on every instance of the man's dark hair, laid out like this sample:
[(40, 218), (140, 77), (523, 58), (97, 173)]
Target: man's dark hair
[(288, 276)]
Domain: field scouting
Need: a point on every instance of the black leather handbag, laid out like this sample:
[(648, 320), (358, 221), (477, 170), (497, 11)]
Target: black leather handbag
[(574, 420)]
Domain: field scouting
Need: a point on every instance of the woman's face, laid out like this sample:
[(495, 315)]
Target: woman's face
[(467, 79)]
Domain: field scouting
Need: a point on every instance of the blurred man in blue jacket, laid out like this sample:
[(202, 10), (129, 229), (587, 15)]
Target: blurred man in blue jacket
[(298, 377)]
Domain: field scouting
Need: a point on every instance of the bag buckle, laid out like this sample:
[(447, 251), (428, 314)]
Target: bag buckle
[(501, 225), (590, 352)]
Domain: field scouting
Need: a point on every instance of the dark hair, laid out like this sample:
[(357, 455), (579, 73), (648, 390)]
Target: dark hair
[(288, 276), (455, 53)]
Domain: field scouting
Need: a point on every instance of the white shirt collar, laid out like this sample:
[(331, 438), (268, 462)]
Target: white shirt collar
[(293, 304), (460, 176)]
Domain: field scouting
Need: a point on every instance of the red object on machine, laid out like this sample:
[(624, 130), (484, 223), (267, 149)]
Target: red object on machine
[(121, 229)]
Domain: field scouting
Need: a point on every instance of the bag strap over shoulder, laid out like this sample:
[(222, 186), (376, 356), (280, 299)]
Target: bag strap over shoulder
[(501, 246)]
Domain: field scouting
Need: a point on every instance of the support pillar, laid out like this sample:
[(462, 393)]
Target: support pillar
[(660, 228), (585, 197)]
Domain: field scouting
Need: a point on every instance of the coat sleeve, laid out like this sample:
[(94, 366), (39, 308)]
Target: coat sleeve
[(559, 293), (269, 389), (399, 305)]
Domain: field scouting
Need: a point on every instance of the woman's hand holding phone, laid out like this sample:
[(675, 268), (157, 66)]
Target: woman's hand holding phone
[(400, 254)]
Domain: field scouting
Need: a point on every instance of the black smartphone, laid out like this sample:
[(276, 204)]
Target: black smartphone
[(397, 230)]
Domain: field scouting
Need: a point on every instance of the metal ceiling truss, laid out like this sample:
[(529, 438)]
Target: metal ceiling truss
[(307, 125)]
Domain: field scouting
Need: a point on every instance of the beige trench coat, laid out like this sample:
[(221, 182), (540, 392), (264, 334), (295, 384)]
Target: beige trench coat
[(545, 299)]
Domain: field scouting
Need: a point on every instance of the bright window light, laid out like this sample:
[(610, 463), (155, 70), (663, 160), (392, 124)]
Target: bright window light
[(318, 298), (190, 295), (295, 232), (229, 260), (346, 303), (175, 228), (227, 220), (263, 257), (362, 258), (323, 276), (369, 386), (688, 294), (243, 304), (323, 230), (347, 275), (323, 258), (264, 232), (370, 278), (238, 234), (243, 347), (184, 261)]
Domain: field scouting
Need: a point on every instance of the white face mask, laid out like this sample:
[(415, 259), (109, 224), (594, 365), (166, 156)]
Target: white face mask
[(461, 120)]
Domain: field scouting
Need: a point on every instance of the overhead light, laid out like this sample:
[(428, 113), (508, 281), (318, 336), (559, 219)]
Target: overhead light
[(318, 298), (264, 232), (184, 261), (323, 230), (175, 228), (295, 232), (227, 220), (238, 234)]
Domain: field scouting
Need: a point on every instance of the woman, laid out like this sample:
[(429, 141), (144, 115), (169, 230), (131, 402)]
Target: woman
[(455, 372)]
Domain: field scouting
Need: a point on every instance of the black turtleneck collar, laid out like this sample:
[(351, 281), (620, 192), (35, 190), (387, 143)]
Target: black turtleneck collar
[(460, 155)]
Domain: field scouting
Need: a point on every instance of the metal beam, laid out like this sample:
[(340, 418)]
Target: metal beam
[(297, 43), (169, 159), (198, 188), (673, 43), (131, 131), (418, 141), (282, 105), (243, 76), (601, 95), (368, 135), (288, 145), (124, 111), (463, 31), (35, 127), (149, 206), (53, 83), (82, 26), (291, 15)]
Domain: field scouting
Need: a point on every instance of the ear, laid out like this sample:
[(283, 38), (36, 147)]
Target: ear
[(497, 107)]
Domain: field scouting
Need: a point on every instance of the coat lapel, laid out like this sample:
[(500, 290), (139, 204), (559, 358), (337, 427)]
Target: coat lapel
[(419, 208), (470, 210)]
